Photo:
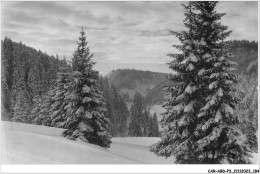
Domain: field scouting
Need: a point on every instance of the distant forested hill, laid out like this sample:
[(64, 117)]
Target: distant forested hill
[(26, 73), (246, 56), (129, 81), (150, 84)]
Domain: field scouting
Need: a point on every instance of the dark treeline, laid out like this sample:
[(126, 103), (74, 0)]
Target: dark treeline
[(116, 109), (246, 53), (141, 122), (137, 123), (243, 43), (26, 73), (35, 86)]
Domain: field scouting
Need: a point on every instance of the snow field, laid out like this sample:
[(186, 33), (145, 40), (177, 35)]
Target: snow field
[(34, 144)]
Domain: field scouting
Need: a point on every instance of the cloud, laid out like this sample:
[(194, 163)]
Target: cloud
[(157, 33), (40, 8), (241, 17), (128, 34), (11, 25)]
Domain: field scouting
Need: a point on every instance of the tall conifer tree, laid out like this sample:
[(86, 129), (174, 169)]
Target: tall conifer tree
[(85, 108), (200, 121)]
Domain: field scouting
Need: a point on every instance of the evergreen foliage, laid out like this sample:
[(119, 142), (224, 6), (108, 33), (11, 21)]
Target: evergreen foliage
[(7, 68), (200, 121), (116, 109), (141, 123), (247, 109), (22, 108), (120, 112), (49, 109), (246, 53), (156, 94), (246, 56), (73, 102), (136, 125), (26, 73), (85, 109), (146, 122), (153, 126), (40, 109), (105, 88), (21, 102)]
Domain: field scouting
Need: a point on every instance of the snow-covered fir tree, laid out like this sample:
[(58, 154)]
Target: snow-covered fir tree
[(49, 109), (85, 108), (40, 110), (200, 121), (26, 74), (58, 107)]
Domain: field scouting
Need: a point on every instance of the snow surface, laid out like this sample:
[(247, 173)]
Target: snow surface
[(34, 144)]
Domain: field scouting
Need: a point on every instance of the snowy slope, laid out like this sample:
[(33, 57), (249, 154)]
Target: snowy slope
[(33, 144), (137, 149), (23, 147)]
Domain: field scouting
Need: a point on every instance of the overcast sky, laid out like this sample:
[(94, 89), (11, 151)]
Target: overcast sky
[(120, 34)]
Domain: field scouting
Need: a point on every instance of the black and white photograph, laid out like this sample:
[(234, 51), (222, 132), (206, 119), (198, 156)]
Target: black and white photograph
[(129, 82)]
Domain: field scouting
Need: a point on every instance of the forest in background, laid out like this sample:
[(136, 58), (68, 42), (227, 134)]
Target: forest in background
[(211, 114), (28, 74), (29, 78)]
